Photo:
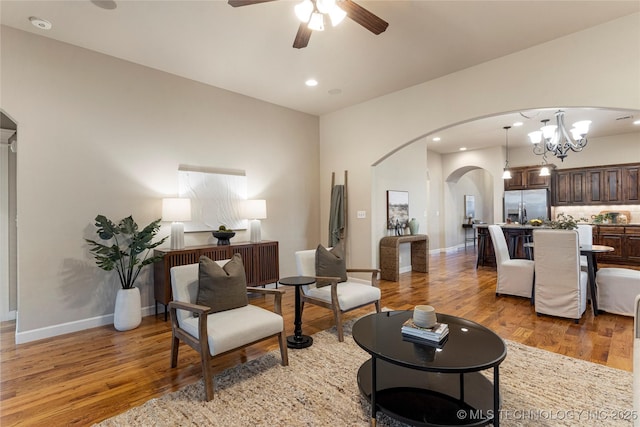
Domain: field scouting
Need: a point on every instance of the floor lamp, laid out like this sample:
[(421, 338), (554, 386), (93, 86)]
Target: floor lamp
[(176, 210), (255, 210)]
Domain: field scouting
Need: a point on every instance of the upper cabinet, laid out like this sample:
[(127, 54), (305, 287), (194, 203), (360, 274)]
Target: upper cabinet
[(568, 188), (527, 178), (631, 184), (615, 184)]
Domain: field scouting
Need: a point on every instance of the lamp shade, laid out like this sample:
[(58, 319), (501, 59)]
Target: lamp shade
[(254, 209), (176, 209)]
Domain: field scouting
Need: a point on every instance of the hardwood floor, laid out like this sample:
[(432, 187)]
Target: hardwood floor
[(88, 376)]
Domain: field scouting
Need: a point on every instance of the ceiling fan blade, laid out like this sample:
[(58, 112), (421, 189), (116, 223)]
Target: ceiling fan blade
[(302, 36), (363, 17), (236, 3)]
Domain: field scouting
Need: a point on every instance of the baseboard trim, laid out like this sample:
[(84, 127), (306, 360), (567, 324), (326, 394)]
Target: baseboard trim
[(69, 327)]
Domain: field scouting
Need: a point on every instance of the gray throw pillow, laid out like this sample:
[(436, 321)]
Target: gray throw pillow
[(330, 264), (222, 288)]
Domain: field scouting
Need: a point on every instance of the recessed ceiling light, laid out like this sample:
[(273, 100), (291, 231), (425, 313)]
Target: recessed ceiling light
[(40, 23), (436, 139), (516, 124), (311, 82), (462, 148), (637, 122)]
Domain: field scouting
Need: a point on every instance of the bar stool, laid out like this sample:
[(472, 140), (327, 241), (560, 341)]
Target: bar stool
[(528, 246)]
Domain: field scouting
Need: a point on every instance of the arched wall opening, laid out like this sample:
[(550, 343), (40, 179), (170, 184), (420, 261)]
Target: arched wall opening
[(437, 182)]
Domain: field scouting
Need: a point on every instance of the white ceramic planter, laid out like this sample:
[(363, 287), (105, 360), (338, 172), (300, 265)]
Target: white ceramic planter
[(128, 311)]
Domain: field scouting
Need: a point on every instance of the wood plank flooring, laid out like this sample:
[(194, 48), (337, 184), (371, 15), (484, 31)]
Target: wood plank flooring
[(88, 376)]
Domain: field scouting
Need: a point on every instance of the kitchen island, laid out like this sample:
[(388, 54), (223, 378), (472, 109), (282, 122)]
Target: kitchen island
[(624, 238)]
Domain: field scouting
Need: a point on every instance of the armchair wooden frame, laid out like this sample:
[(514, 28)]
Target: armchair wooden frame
[(201, 345), (335, 303)]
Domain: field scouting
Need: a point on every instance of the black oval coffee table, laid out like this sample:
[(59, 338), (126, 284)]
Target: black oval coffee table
[(426, 384)]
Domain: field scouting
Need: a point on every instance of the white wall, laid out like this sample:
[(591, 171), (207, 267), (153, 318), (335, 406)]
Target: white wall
[(100, 135), (586, 72), (405, 170)]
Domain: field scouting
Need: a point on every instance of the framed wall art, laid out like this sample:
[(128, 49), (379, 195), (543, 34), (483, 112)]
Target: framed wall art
[(397, 208), (469, 206), (215, 197)]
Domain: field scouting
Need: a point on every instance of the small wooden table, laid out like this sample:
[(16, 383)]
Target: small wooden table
[(390, 255), (297, 340)]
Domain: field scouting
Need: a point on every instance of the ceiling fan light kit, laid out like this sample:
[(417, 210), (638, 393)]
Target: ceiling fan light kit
[(311, 14)]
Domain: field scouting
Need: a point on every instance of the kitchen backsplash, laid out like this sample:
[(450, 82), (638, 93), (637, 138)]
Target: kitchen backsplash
[(587, 211)]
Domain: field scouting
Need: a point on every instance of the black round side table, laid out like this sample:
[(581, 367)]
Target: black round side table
[(297, 340)]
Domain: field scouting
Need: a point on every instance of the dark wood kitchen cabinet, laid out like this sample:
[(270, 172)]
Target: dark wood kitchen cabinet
[(527, 178), (631, 184), (568, 187), (625, 240), (614, 184), (261, 264)]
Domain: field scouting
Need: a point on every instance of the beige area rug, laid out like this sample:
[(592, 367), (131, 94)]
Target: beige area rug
[(319, 388)]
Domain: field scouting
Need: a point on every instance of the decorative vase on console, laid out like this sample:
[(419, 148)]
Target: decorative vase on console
[(413, 226)]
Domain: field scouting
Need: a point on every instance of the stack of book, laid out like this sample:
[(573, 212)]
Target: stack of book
[(437, 333)]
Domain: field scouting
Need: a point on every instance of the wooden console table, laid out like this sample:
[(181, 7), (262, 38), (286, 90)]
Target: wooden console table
[(390, 255), (261, 264)]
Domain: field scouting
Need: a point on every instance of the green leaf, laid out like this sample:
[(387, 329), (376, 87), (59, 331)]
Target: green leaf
[(127, 250)]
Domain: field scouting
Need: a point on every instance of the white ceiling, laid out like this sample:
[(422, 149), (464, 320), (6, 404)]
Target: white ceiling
[(248, 49)]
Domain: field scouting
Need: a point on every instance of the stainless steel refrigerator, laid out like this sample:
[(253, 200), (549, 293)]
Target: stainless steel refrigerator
[(523, 205)]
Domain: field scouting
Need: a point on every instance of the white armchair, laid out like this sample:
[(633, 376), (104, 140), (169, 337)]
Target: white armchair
[(560, 285), (212, 334), (338, 297), (515, 276)]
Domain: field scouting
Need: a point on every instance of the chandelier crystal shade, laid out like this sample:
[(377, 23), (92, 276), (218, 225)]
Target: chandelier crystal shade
[(555, 138)]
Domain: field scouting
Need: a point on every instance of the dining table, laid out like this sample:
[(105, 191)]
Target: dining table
[(590, 252)]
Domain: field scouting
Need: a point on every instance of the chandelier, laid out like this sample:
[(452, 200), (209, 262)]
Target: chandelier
[(556, 140), (312, 12)]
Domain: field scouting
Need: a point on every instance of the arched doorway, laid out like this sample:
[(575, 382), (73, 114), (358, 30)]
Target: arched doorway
[(473, 181)]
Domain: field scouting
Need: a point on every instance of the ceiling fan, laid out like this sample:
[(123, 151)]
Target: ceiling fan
[(346, 7)]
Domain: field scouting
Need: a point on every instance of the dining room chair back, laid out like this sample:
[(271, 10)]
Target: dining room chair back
[(515, 276), (560, 284), (585, 237)]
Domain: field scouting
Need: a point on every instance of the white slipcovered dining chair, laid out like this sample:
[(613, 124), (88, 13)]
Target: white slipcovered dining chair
[(213, 334), (560, 285), (338, 297), (515, 276), (585, 237)]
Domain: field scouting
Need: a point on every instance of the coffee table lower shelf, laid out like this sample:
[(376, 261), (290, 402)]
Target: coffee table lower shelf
[(423, 398)]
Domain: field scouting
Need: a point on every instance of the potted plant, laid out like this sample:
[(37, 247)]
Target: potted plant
[(564, 222), (127, 250)]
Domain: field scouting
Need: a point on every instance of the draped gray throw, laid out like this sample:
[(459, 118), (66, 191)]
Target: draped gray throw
[(336, 215)]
